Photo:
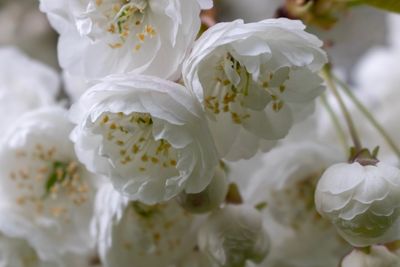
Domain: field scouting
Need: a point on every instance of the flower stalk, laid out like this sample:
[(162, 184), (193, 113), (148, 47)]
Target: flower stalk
[(385, 135), (335, 120), (327, 75)]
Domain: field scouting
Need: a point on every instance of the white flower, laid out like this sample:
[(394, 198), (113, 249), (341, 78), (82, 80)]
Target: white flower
[(254, 80), (377, 256), (196, 259), (75, 86), (25, 85), (208, 199), (132, 233), (46, 196), (287, 181), (18, 253), (284, 188), (234, 235), (363, 202), (147, 135), (101, 37)]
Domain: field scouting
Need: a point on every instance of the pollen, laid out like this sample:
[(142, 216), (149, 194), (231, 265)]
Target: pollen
[(133, 145), (45, 179), (150, 30), (141, 36), (116, 45), (229, 95), (128, 23)]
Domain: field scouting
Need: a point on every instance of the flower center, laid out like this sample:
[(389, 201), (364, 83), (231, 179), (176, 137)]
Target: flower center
[(125, 21), (235, 89), (130, 145), (48, 185), (157, 229), (295, 203)]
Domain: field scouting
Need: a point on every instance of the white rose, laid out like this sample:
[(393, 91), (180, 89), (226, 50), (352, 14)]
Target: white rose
[(233, 236), (46, 196), (377, 256), (101, 37), (25, 85), (363, 202), (254, 81), (148, 135), (131, 233)]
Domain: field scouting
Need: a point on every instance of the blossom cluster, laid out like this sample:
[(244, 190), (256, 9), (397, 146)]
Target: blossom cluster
[(137, 167)]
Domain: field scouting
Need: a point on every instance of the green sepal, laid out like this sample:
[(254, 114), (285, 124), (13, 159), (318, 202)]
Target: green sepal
[(364, 156)]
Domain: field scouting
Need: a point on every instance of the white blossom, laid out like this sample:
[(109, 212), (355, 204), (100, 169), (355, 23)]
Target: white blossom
[(75, 86), (25, 85), (101, 37), (363, 202), (16, 252), (287, 181), (254, 81), (196, 259), (377, 256), (208, 199), (283, 189), (234, 235), (148, 135), (132, 233), (46, 196)]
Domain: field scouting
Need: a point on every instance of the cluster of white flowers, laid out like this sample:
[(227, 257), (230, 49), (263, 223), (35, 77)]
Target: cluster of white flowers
[(136, 167)]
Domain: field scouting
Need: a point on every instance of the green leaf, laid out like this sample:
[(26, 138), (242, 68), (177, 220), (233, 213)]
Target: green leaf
[(389, 5)]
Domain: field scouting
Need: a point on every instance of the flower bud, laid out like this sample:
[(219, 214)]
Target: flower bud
[(233, 235), (320, 13), (361, 201), (377, 256), (210, 198)]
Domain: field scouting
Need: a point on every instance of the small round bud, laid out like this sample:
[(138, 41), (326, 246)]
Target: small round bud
[(376, 256), (210, 198), (234, 235), (363, 202)]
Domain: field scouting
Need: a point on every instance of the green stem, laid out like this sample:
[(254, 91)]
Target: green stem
[(369, 117), (339, 129), (326, 73)]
